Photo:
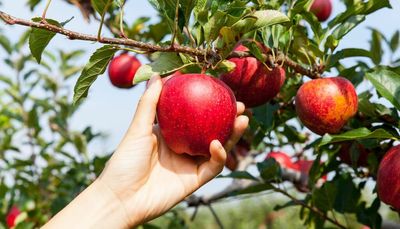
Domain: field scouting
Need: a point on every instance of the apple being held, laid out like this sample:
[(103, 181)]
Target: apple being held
[(251, 81), (283, 159), (12, 216), (388, 179), (193, 110), (322, 9), (122, 70), (325, 105)]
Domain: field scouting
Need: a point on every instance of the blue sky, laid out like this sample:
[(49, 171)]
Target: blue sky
[(110, 110)]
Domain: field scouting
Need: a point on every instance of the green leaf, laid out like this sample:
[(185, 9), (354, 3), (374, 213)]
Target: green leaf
[(347, 26), (347, 195), (376, 48), (254, 189), (100, 5), (268, 18), (259, 19), (357, 134), (40, 38), (239, 175), (394, 42), (346, 53), (324, 197), (387, 83), (269, 169), (166, 63), (97, 65), (359, 8), (6, 44)]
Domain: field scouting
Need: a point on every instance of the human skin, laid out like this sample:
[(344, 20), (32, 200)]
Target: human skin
[(143, 179)]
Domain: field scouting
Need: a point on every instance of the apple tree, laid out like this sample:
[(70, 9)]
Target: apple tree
[(324, 120)]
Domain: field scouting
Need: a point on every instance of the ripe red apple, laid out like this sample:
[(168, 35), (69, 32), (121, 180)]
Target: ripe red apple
[(345, 154), (122, 70), (322, 9), (282, 158), (388, 179), (325, 105), (12, 216), (240, 150), (193, 110), (251, 81), (304, 166), (232, 161)]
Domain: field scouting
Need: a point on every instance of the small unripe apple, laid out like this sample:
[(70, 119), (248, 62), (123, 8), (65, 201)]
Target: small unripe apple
[(388, 179), (12, 216), (251, 81), (122, 70), (345, 154), (322, 9), (325, 105), (193, 110), (282, 158)]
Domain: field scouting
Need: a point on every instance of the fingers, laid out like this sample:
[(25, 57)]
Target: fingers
[(239, 127), (214, 165), (240, 108), (146, 109)]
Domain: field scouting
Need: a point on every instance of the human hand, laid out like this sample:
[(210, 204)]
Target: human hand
[(146, 176)]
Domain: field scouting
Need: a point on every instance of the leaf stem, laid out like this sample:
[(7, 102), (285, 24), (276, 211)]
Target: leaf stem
[(102, 19), (45, 10)]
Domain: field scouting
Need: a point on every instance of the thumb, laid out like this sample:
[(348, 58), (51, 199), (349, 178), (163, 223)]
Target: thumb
[(147, 106)]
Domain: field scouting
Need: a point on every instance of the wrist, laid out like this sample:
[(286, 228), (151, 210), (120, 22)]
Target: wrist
[(95, 207)]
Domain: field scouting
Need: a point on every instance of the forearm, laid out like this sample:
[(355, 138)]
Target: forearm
[(95, 207)]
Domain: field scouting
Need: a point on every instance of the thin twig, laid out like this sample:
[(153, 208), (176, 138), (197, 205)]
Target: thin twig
[(311, 208), (221, 226), (103, 15), (175, 24)]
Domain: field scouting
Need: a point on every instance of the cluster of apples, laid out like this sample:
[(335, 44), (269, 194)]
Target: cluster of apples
[(195, 109)]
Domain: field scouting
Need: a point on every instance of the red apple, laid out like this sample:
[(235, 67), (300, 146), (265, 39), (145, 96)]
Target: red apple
[(325, 105), (231, 161), (282, 158), (304, 166), (193, 110), (122, 70), (240, 150), (345, 154), (12, 216), (251, 81), (388, 179), (322, 9)]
